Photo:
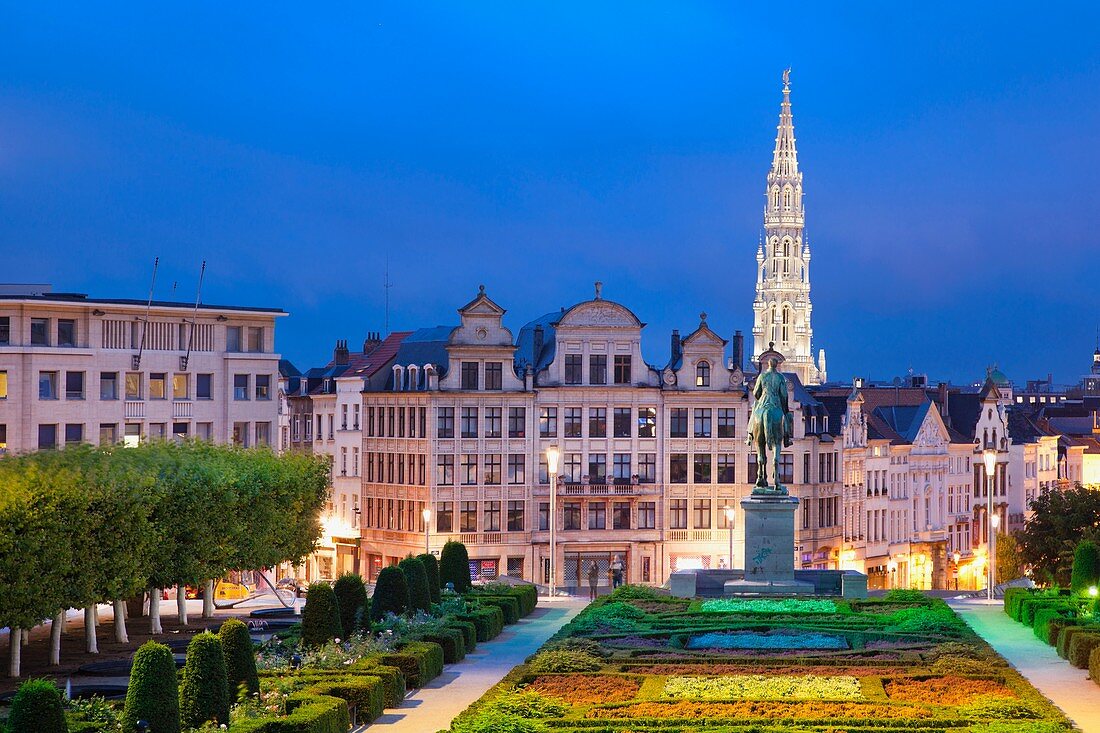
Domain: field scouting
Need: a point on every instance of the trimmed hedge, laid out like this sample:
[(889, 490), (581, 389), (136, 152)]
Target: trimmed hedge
[(305, 714), (1055, 626), (1086, 567), (527, 595), (454, 567), (1094, 665), (431, 567), (419, 661), (1012, 599), (451, 640), (321, 616), (417, 579), (363, 692), (153, 693), (1043, 617), (509, 605), (468, 629), (1029, 607), (240, 659), (1080, 647), (204, 692), (489, 621), (352, 600), (1065, 636), (391, 593), (37, 708), (393, 681)]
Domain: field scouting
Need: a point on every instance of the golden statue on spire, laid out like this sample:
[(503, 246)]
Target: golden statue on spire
[(787, 76)]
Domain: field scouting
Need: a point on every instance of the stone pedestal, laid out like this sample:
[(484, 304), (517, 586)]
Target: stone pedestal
[(769, 548)]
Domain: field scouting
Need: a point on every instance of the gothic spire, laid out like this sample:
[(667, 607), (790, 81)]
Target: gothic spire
[(785, 157)]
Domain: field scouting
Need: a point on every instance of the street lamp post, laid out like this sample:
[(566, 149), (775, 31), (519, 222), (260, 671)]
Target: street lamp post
[(730, 514), (957, 556), (553, 454), (427, 514), (989, 457)]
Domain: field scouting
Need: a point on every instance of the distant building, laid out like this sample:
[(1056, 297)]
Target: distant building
[(75, 369)]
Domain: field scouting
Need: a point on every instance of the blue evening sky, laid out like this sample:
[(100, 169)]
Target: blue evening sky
[(949, 150)]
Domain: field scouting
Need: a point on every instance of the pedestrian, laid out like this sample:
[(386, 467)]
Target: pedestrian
[(617, 568), (593, 580)]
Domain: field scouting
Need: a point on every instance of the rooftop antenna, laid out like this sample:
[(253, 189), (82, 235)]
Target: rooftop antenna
[(135, 360), (387, 285), (194, 319)]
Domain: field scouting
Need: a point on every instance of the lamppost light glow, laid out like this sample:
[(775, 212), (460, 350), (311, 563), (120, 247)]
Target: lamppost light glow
[(1093, 591), (427, 514), (995, 520), (731, 513), (553, 455), (989, 457)]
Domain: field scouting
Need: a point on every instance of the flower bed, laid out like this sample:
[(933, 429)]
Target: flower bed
[(948, 690), (764, 687), (768, 605), (905, 663), (586, 688), (773, 640)]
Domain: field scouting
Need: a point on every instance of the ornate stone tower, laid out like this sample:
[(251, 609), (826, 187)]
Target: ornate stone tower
[(782, 306)]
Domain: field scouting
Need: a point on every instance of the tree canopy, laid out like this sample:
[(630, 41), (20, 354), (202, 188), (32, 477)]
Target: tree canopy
[(1060, 520)]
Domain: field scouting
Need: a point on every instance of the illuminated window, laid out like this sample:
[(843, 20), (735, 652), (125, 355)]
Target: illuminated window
[(702, 374)]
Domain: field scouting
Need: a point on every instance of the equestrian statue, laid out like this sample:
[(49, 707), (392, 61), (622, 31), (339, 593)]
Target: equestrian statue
[(771, 426)]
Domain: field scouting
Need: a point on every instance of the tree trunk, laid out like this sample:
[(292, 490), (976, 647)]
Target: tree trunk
[(91, 644), (120, 622), (16, 649), (56, 627), (181, 603), (154, 611), (208, 600), (26, 637)]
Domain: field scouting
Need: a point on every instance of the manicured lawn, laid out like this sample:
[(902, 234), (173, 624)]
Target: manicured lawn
[(642, 662)]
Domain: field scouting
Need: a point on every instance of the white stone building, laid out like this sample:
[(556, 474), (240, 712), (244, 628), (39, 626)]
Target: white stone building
[(75, 369)]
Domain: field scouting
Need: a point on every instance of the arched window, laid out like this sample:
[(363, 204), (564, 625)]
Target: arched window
[(775, 247), (775, 198), (786, 323), (702, 374), (787, 200), (786, 248)]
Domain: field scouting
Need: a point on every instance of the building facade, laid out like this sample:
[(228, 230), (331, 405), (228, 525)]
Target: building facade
[(75, 369)]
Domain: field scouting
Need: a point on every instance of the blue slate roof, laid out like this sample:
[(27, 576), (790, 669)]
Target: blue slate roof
[(525, 344), (426, 346), (904, 420)]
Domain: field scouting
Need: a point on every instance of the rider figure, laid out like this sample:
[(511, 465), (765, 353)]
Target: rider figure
[(770, 393)]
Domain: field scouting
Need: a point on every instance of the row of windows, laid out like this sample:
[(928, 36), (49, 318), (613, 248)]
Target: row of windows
[(702, 511), (398, 468), (597, 369), (53, 435), (139, 386), (399, 514), (392, 422), (486, 516), (63, 332)]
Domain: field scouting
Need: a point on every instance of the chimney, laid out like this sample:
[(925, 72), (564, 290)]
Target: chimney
[(675, 344), (536, 345), (372, 342), (340, 353), (944, 400), (738, 351)]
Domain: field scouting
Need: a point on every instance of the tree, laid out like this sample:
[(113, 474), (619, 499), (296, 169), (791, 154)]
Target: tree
[(391, 594), (37, 708), (1059, 517), (153, 692), (204, 691), (416, 578), (321, 616), (1009, 564), (454, 566), (240, 659), (351, 596), (1086, 566), (431, 567)]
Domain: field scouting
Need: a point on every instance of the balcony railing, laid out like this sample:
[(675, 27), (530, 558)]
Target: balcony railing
[(605, 489), (135, 408), (181, 409)]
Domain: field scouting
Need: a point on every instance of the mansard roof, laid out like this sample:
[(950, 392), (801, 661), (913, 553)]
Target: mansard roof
[(425, 346), (525, 344)]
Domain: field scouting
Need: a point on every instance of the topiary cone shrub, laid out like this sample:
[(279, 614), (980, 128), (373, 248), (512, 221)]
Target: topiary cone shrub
[(391, 593), (240, 659), (153, 694), (37, 708), (431, 567), (454, 567), (1086, 566), (351, 597), (417, 579), (204, 691), (321, 616)]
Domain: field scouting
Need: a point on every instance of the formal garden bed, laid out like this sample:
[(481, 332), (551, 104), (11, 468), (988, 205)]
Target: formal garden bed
[(642, 662), (349, 659)]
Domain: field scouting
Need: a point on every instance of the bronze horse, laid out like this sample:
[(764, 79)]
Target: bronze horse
[(770, 427)]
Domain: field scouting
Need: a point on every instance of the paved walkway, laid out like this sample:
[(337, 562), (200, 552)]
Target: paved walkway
[(1066, 686), (433, 707)]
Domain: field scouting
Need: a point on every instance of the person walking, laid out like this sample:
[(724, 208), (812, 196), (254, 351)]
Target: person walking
[(593, 580), (617, 568)]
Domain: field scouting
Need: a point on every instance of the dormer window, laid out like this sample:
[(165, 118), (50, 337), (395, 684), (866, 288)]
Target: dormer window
[(702, 374)]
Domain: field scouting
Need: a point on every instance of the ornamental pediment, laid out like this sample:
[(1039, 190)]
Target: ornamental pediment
[(600, 313)]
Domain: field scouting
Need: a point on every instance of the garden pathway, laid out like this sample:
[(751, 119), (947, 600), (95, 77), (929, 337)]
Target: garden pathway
[(1066, 686), (434, 706)]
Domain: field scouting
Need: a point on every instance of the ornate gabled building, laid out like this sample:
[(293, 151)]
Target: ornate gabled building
[(782, 306)]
